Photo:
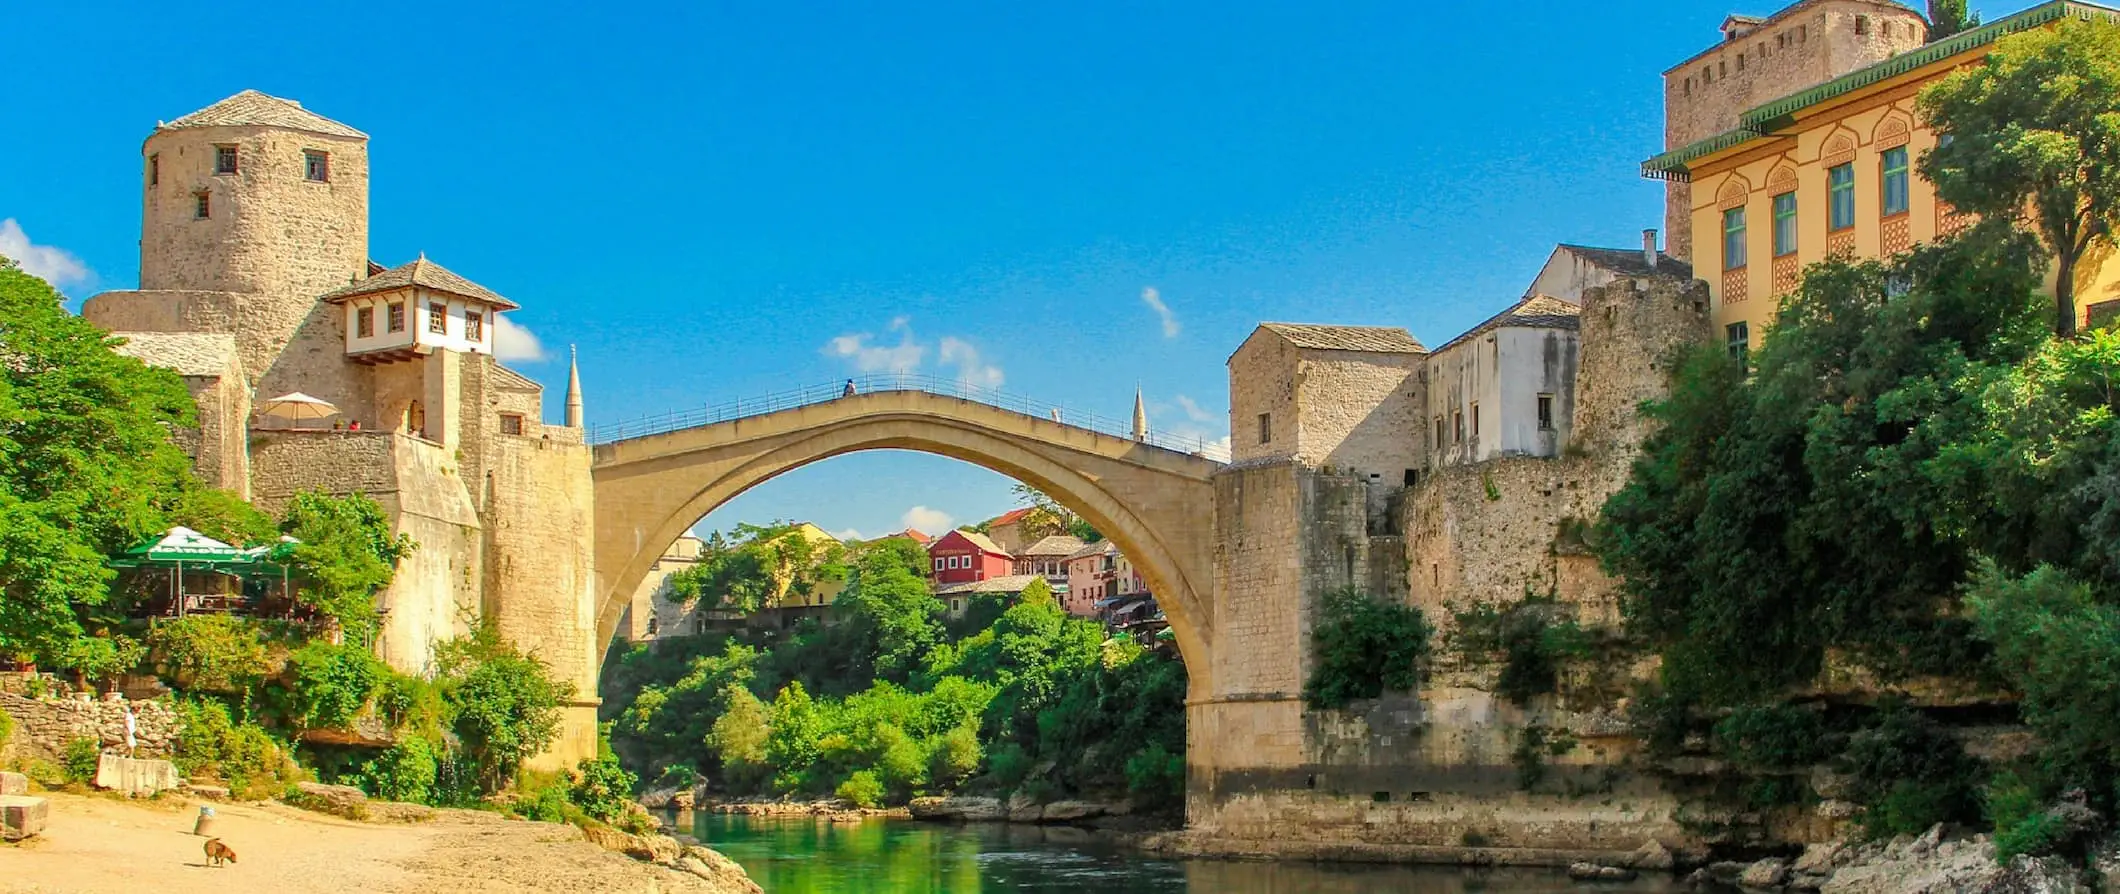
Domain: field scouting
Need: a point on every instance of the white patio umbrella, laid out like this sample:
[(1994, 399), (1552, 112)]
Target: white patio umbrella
[(296, 407)]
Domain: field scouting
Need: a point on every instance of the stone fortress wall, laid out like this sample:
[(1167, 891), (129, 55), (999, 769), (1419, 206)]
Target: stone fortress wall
[(1418, 776)]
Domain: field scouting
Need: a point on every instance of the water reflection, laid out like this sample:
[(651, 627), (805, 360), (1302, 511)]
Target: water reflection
[(899, 857)]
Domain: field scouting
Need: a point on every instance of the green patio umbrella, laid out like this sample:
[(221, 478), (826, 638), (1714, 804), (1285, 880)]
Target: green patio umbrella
[(179, 547)]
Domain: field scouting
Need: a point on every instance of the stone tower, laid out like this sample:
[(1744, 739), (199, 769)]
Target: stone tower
[(1759, 60), (264, 204)]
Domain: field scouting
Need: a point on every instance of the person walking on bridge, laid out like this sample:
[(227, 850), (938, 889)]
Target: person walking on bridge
[(849, 392)]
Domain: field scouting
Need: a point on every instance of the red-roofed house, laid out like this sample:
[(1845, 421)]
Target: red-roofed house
[(963, 557), (1007, 530)]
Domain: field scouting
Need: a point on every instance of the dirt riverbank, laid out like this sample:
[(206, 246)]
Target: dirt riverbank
[(97, 844)]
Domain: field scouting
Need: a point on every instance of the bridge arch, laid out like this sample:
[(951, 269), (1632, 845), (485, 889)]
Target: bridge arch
[(1156, 504)]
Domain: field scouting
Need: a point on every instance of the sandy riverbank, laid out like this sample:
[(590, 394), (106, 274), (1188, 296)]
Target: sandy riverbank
[(97, 844)]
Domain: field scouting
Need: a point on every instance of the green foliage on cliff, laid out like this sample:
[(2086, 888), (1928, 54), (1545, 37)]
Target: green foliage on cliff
[(1532, 637), (503, 705), (347, 555), (1827, 502), (886, 704), (1363, 646)]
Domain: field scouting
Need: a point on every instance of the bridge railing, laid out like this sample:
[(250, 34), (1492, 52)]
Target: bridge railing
[(743, 408)]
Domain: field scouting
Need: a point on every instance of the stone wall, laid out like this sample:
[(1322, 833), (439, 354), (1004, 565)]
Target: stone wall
[(1262, 382), (539, 515), (164, 311), (1360, 412), (285, 463), (45, 726), (436, 592)]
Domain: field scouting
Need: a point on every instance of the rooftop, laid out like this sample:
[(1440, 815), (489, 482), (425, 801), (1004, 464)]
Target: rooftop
[(188, 353), (1013, 583), (1101, 547), (1012, 516), (1752, 24), (1535, 312), (1629, 261), (1769, 118), (1377, 339), (253, 109), (1054, 545), (977, 539), (424, 274)]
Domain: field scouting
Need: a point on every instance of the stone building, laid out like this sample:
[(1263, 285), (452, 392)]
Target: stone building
[(1756, 60), (1789, 179), (650, 615), (255, 281), (1343, 478)]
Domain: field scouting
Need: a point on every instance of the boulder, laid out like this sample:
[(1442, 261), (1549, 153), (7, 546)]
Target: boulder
[(1595, 872), (14, 784), (1819, 858), (1835, 809), (709, 864), (661, 849), (1021, 809), (337, 800), (681, 799), (2105, 864), (1652, 856), (1767, 873), (959, 808), (209, 792), (657, 799), (1070, 811), (22, 816), (399, 812), (134, 776)]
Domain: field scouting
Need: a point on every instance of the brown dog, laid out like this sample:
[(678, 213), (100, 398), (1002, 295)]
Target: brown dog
[(217, 852)]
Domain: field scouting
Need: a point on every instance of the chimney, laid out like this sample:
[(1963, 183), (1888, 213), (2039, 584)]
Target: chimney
[(1649, 248)]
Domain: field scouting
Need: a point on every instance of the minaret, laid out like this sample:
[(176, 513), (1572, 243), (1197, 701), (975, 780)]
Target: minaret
[(574, 389), (1140, 417)]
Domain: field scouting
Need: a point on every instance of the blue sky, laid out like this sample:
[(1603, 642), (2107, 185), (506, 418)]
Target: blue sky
[(718, 200)]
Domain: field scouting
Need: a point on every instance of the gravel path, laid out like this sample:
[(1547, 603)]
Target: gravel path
[(101, 844)]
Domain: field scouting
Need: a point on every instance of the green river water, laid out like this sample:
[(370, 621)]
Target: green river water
[(806, 856)]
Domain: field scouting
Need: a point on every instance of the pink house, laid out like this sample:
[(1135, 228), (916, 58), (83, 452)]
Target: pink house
[(963, 557)]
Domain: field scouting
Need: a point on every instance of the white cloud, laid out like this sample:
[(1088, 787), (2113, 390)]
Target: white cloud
[(905, 356), (513, 343), (849, 534), (49, 263), (971, 370), (1192, 410), (862, 351), (1154, 300), (927, 521)]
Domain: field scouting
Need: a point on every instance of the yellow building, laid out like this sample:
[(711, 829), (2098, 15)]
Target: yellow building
[(1832, 170)]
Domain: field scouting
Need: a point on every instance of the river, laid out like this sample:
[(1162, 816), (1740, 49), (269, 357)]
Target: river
[(808, 856)]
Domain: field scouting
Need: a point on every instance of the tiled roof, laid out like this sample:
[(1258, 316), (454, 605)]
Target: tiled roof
[(1629, 262), (1098, 548), (1012, 516), (910, 534), (426, 274), (1535, 312), (984, 542), (1053, 545), (188, 353), (1379, 339), (1013, 583), (253, 109)]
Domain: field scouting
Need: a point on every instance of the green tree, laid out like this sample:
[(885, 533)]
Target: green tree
[(503, 705), (888, 611), (792, 739), (740, 734), (86, 464), (2059, 644), (2036, 127), (346, 556), (1823, 502), (1948, 17)]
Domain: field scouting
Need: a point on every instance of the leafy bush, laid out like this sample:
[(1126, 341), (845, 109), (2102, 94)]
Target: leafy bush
[(602, 788), (2022, 823), (331, 685), (542, 797), (1156, 778), (1772, 737), (864, 788), (82, 756), (347, 554), (503, 705), (210, 653), (1910, 774), (407, 771), (1364, 646), (956, 758), (1534, 636), (211, 744), (1010, 764)]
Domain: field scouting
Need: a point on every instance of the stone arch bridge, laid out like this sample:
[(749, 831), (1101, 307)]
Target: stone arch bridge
[(1153, 497)]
